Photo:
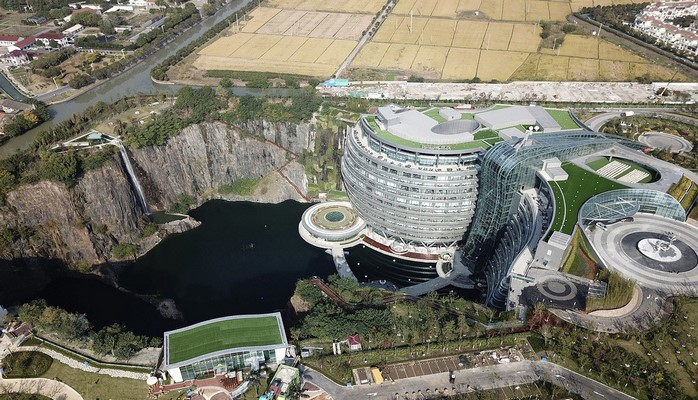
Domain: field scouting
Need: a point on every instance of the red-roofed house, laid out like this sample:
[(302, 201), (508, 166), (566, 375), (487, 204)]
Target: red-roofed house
[(9, 40), (18, 57), (354, 342), (45, 38), (23, 44)]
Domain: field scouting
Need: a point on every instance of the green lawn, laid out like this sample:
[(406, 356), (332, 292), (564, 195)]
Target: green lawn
[(23, 396), (563, 118), (97, 386), (222, 335), (575, 191), (485, 134), (26, 364), (434, 114)]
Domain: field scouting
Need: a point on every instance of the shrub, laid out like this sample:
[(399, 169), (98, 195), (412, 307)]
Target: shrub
[(26, 364)]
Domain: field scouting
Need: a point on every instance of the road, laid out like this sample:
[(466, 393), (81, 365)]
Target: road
[(469, 380), (48, 96), (364, 39)]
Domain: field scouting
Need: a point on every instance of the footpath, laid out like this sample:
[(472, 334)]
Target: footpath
[(48, 387)]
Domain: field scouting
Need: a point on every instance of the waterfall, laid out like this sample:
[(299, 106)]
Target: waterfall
[(134, 179)]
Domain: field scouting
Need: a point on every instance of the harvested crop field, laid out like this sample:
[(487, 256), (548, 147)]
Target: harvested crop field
[(299, 42), (506, 10), (344, 6)]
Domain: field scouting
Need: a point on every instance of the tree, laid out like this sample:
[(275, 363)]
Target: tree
[(61, 167), (569, 28), (125, 250), (7, 182), (80, 80)]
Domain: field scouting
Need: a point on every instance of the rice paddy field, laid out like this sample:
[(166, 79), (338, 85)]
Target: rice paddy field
[(298, 41), (504, 10), (494, 40)]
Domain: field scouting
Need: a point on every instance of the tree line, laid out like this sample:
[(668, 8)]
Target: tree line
[(70, 327)]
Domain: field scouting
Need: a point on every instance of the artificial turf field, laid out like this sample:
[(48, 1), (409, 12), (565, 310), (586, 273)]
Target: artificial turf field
[(222, 335), (575, 191)]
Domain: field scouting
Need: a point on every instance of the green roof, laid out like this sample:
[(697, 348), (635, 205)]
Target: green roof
[(385, 135), (223, 334)]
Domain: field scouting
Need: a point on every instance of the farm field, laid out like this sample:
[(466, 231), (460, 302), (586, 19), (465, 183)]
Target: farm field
[(431, 48), (293, 41), (344, 6), (505, 10)]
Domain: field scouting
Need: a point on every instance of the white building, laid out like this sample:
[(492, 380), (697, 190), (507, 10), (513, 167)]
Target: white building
[(656, 21), (6, 41)]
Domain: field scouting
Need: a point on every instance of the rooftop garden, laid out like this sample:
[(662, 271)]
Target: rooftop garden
[(433, 113), (562, 117), (575, 191), (385, 135), (223, 335)]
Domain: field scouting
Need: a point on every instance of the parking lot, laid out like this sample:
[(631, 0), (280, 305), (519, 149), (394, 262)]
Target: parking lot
[(443, 365)]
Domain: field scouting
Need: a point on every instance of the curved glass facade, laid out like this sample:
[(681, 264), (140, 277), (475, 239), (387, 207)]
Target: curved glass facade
[(622, 203), (420, 196), (505, 170)]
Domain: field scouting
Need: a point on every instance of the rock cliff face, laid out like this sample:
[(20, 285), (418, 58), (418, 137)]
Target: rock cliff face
[(82, 224), (200, 160), (294, 137), (63, 223)]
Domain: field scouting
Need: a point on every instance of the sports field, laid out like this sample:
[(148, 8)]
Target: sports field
[(292, 41), (189, 343)]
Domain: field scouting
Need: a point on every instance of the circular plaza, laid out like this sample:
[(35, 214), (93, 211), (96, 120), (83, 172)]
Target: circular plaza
[(332, 223), (666, 141), (654, 251)]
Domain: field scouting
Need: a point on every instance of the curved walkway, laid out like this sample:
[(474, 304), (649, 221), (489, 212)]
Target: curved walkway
[(643, 312), (47, 387)]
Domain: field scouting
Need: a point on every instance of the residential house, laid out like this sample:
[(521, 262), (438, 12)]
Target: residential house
[(73, 30), (656, 20), (23, 44), (46, 38), (354, 342), (18, 57), (13, 107), (6, 41)]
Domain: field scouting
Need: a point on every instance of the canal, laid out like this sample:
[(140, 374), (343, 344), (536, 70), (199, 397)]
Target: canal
[(132, 82)]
